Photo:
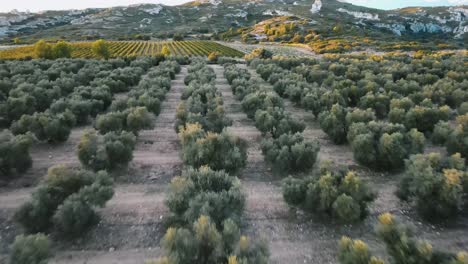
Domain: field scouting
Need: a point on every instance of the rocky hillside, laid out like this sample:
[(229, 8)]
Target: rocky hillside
[(208, 16)]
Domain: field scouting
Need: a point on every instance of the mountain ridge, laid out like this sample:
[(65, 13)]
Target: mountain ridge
[(207, 16)]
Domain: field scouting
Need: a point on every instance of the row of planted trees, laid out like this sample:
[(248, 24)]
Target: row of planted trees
[(423, 94), (64, 205), (206, 202), (284, 146), (384, 113), (45, 100), (342, 195), (381, 131)]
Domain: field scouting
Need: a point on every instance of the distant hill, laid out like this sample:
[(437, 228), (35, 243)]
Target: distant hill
[(327, 17)]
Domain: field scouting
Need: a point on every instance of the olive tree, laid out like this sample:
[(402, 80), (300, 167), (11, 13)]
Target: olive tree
[(290, 153)]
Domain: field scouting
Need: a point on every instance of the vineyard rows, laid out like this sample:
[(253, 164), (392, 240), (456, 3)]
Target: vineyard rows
[(135, 48)]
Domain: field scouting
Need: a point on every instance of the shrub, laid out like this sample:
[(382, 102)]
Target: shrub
[(106, 152), (205, 192), (203, 105), (46, 126), (290, 153), (380, 102), (81, 108), (276, 122), (14, 153), (333, 123), (62, 50), (311, 100), (138, 119), (110, 122), (422, 117), (166, 51), (32, 249), (133, 120), (355, 252), (436, 179), (383, 145), (260, 100), (457, 141), (441, 133), (463, 109), (64, 184), (213, 57), (203, 243), (338, 195), (101, 49), (74, 217), (400, 245), (259, 53), (199, 72), (217, 151), (76, 214), (18, 106), (43, 50)]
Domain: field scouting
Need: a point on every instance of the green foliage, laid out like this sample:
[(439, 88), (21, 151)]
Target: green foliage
[(65, 201), (110, 122), (463, 109), (436, 179), (138, 119), (14, 153), (355, 252), (400, 245), (442, 130), (344, 197), (100, 49), (217, 151), (205, 192), (382, 145), (62, 50), (277, 122), (204, 105), (259, 53), (18, 106), (74, 217), (76, 214), (203, 243), (106, 152), (403, 248), (457, 141), (380, 102), (213, 57), (260, 100), (43, 50), (166, 51), (32, 249), (422, 117), (334, 123), (46, 126), (290, 153)]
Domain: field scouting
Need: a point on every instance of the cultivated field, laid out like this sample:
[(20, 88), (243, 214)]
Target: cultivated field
[(358, 114), (134, 48)]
